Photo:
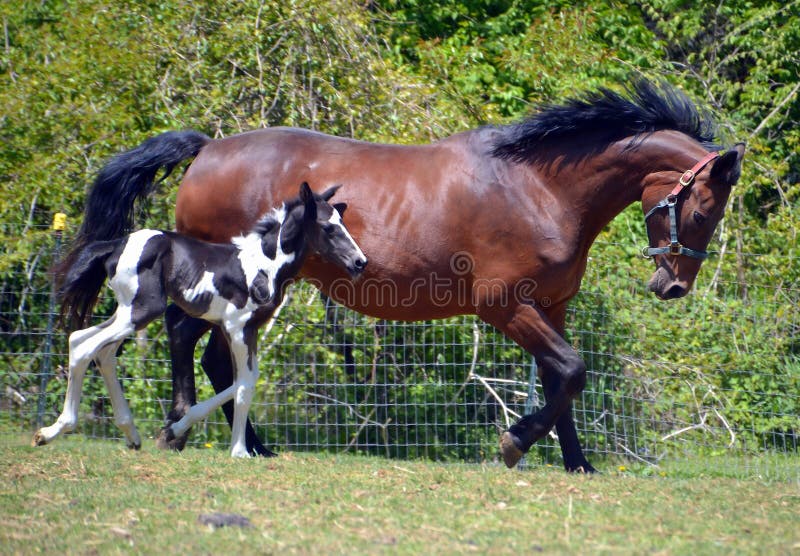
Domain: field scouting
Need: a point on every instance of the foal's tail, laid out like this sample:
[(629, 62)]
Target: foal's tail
[(109, 211), (80, 286)]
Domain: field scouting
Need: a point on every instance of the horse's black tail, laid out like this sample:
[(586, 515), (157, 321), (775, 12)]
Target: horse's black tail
[(129, 176), (80, 286)]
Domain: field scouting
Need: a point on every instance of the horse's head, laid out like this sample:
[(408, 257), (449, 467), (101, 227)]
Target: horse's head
[(681, 216), (326, 233)]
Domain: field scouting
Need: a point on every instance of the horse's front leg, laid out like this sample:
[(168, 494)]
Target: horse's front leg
[(184, 332), (572, 454), (563, 377), (243, 353)]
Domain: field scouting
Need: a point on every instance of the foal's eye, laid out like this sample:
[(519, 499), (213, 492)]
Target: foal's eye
[(329, 229), (699, 218)]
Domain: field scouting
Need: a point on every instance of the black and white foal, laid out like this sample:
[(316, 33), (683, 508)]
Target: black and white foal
[(235, 286)]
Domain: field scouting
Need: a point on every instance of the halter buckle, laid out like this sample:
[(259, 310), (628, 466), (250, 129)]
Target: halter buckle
[(687, 178), (675, 248)]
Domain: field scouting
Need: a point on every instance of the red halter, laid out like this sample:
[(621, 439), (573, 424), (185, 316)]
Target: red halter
[(675, 247)]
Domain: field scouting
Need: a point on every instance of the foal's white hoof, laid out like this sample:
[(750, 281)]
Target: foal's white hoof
[(133, 440), (39, 439)]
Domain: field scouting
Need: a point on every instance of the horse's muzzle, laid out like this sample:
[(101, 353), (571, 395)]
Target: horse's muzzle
[(666, 287)]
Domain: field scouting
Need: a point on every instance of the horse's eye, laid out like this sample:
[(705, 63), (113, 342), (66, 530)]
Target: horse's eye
[(329, 229), (699, 218)]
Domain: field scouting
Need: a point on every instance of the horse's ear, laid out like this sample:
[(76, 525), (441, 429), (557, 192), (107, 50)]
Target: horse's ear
[(326, 196), (309, 203), (340, 208), (728, 167)]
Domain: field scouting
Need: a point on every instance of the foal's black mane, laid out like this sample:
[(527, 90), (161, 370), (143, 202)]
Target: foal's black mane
[(265, 224), (268, 222), (603, 117)]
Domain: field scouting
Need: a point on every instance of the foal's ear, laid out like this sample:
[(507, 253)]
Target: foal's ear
[(728, 167), (305, 192), (340, 208), (309, 203), (328, 193)]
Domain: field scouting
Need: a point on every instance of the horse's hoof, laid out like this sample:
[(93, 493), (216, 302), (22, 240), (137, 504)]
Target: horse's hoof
[(134, 445), (263, 452), (509, 450), (584, 467), (38, 439), (167, 440)]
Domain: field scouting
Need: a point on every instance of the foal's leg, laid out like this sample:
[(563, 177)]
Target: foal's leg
[(197, 412), (79, 359), (83, 346), (563, 372), (217, 363), (106, 361), (184, 332), (243, 351)]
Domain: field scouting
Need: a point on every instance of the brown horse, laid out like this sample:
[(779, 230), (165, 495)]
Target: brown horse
[(495, 222)]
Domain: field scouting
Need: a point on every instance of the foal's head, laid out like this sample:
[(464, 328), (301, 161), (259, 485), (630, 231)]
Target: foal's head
[(681, 219), (310, 223)]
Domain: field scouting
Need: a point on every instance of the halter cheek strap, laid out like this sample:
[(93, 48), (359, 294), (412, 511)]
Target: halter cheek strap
[(675, 247)]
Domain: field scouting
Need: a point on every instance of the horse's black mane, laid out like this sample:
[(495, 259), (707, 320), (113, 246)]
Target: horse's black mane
[(606, 116)]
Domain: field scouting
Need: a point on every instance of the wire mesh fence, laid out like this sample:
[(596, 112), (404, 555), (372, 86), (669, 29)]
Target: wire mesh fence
[(712, 375)]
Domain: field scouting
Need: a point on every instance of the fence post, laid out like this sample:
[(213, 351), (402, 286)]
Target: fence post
[(531, 400), (59, 224)]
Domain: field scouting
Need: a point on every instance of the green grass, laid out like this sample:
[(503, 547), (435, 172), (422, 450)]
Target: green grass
[(82, 496)]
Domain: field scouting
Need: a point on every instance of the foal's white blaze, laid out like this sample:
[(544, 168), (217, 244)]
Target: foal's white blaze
[(336, 220)]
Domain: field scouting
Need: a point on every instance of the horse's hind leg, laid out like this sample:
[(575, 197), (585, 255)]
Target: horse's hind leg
[(106, 361)]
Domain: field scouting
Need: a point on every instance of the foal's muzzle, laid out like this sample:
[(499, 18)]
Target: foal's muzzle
[(357, 267)]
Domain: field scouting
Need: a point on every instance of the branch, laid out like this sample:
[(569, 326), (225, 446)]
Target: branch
[(506, 411), (476, 336), (775, 110), (350, 408)]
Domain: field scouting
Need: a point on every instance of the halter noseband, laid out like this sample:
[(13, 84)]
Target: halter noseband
[(675, 247)]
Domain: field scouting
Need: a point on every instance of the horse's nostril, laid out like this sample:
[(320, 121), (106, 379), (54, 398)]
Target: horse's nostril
[(675, 292), (360, 264)]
